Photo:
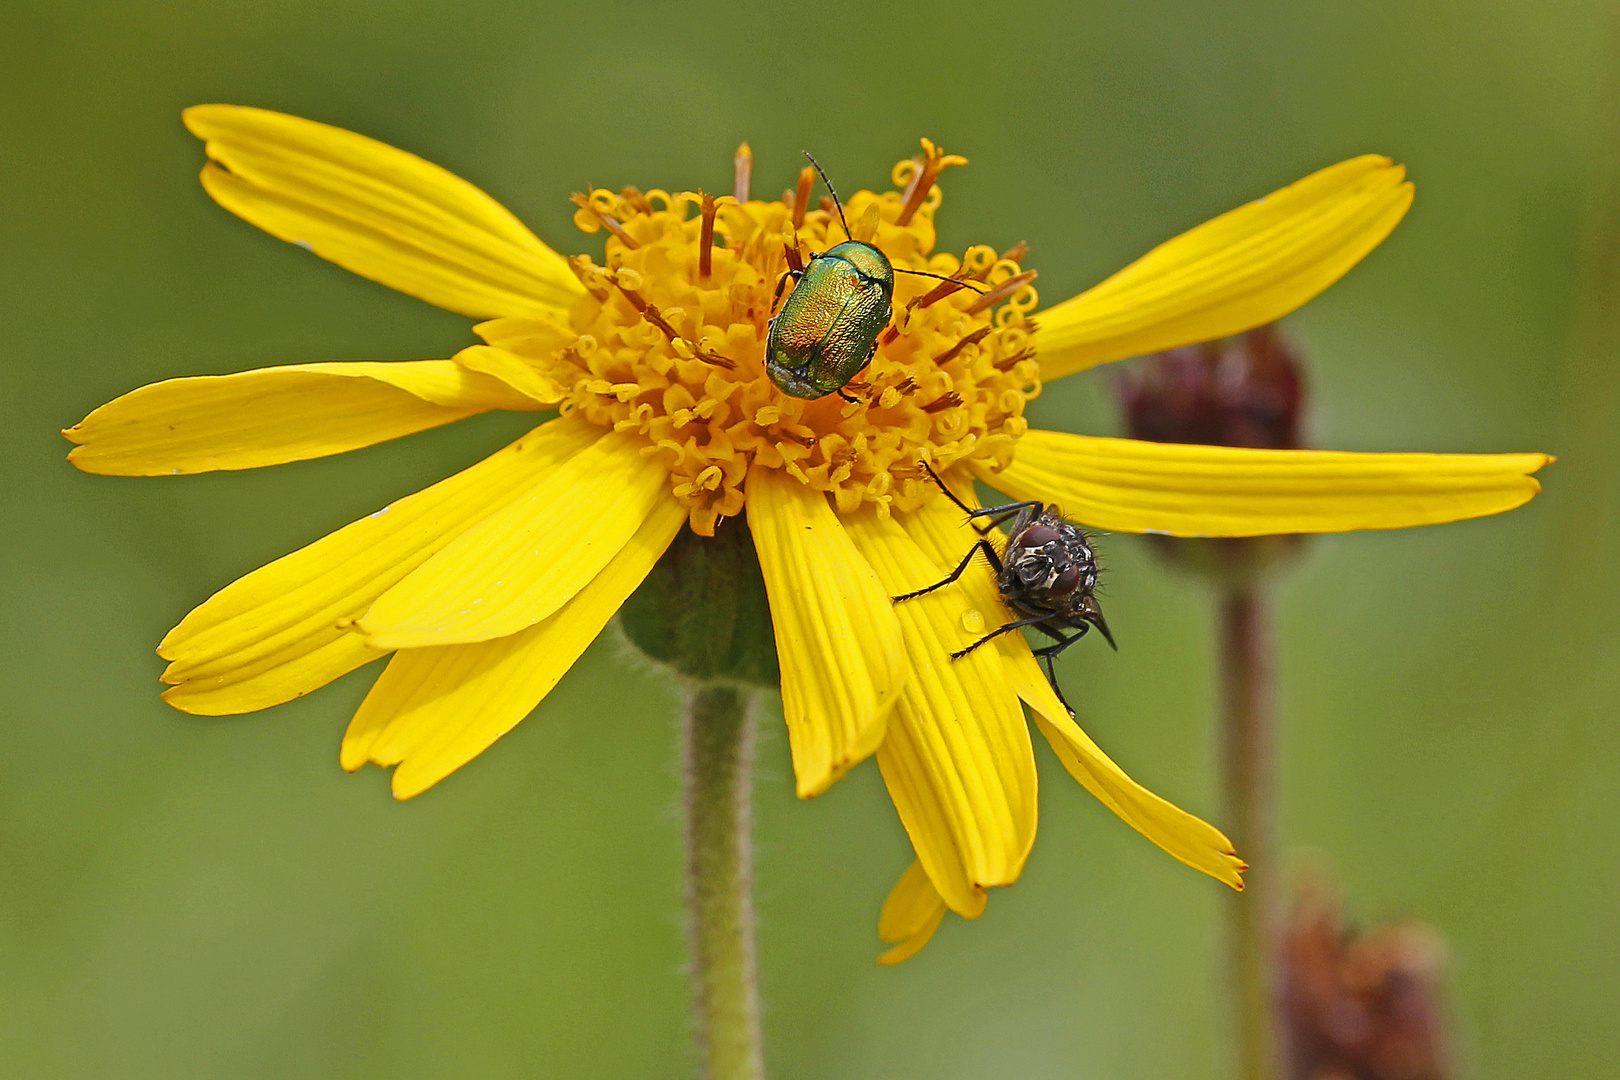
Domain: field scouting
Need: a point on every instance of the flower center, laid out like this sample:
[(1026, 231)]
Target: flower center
[(669, 341)]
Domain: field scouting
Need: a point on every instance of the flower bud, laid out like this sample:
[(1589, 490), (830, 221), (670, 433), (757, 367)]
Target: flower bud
[(1246, 391), (1241, 391), (702, 610), (1360, 1005)]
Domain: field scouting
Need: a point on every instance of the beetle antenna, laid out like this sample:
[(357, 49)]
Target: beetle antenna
[(828, 182), (923, 273)]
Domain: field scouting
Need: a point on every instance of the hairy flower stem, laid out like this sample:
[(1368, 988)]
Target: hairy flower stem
[(1246, 759), (717, 757)]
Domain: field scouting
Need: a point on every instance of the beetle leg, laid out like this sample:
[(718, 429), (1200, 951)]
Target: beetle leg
[(998, 631), (869, 354), (781, 283), (989, 554)]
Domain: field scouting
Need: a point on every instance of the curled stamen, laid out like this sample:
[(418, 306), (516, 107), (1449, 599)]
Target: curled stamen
[(1000, 292), (801, 196), (608, 221), (742, 172), (586, 271), (928, 165)]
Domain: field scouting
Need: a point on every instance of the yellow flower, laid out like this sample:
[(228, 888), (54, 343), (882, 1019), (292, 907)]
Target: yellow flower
[(484, 592)]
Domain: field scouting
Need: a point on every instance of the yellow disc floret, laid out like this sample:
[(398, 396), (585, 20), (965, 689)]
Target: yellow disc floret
[(669, 341)]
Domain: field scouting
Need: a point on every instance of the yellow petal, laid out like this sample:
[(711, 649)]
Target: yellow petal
[(282, 630), (435, 709), (284, 673), (956, 755), (1129, 486), (271, 415), (512, 370), (525, 560), (910, 915), (837, 637), (1248, 266), (378, 211), (1195, 842)]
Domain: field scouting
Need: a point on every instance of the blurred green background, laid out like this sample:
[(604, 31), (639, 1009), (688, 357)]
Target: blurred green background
[(183, 897)]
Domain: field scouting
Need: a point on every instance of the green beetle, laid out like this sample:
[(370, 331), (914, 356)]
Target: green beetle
[(827, 330), (826, 333)]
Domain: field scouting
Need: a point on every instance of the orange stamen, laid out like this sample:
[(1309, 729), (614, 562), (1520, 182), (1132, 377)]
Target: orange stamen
[(927, 167), (1000, 292), (742, 172), (656, 317), (706, 237), (972, 339), (801, 197)]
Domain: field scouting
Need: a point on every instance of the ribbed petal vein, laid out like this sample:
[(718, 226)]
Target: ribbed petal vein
[(527, 559), (837, 637), (910, 915), (282, 630), (1129, 486), (1248, 266), (433, 710), (272, 415), (381, 212), (956, 756)]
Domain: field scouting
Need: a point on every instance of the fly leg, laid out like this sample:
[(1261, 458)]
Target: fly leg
[(1048, 653), (998, 513), (997, 632), (982, 545)]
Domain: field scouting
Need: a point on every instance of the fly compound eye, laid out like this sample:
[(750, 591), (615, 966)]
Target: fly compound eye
[(1066, 582), (1038, 536)]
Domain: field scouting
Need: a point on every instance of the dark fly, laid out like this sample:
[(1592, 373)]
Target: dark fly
[(1047, 576)]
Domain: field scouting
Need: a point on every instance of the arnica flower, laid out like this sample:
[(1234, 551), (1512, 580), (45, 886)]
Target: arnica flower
[(483, 590)]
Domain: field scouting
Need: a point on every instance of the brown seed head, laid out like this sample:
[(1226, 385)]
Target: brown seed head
[(1242, 391)]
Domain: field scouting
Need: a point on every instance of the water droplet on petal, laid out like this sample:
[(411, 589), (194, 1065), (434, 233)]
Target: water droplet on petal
[(972, 621)]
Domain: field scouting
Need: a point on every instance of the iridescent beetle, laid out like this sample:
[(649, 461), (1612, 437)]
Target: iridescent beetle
[(826, 333), (1048, 575)]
